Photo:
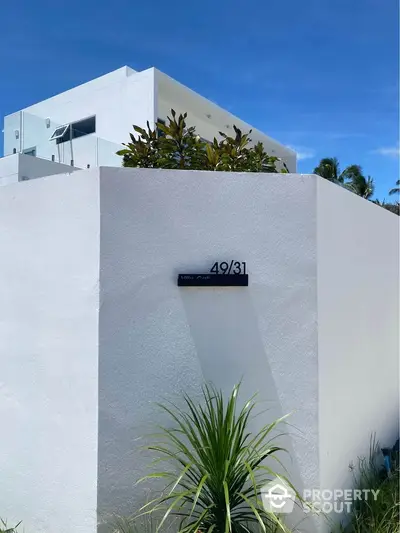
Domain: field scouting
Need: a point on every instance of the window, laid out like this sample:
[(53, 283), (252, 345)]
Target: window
[(30, 151), (59, 132), (83, 127), (160, 132), (74, 130), (66, 135)]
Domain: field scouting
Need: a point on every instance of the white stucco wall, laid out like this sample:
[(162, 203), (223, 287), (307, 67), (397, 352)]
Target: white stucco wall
[(95, 330), (12, 123), (157, 340), (49, 271), (21, 167), (9, 169), (358, 329), (34, 167)]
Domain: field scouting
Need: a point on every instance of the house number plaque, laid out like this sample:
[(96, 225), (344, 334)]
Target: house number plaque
[(222, 274)]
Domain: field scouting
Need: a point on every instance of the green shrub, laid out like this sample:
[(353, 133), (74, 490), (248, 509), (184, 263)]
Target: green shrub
[(217, 467), (175, 145)]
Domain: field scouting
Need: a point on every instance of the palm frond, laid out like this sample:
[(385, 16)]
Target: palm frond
[(395, 190), (329, 169)]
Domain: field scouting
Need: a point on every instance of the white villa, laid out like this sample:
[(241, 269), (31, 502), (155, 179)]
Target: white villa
[(85, 126)]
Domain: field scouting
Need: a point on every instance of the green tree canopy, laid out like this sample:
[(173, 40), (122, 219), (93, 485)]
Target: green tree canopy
[(175, 145)]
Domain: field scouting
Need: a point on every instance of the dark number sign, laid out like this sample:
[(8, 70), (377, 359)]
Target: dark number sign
[(234, 267), (222, 274)]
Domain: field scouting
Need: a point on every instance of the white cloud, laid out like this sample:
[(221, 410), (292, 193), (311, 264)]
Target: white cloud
[(303, 153), (389, 151)]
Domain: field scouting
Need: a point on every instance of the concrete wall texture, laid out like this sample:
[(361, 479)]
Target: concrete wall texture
[(358, 328), (96, 330), (49, 352)]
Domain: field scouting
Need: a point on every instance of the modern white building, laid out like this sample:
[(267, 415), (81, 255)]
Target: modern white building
[(85, 126)]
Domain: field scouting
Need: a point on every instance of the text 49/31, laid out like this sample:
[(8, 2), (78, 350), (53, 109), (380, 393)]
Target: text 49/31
[(234, 267)]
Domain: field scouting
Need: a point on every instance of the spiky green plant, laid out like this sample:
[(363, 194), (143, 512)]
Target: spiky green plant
[(5, 529), (217, 466), (380, 514), (131, 524)]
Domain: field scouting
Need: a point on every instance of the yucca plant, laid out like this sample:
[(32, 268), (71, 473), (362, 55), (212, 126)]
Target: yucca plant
[(6, 529), (217, 467)]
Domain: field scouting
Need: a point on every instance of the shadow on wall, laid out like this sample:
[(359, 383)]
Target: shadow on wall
[(229, 346), (219, 342)]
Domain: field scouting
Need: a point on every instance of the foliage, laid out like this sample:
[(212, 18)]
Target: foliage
[(393, 208), (395, 190), (217, 467), (380, 515), (131, 524), (362, 186), (328, 168), (174, 145), (142, 151), (352, 177), (5, 529)]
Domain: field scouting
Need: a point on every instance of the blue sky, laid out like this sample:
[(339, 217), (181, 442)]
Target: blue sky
[(319, 75)]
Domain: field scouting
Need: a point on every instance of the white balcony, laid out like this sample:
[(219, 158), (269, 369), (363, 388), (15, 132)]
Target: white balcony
[(29, 134)]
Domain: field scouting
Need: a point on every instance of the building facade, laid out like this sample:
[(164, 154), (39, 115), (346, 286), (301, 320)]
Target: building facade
[(85, 126)]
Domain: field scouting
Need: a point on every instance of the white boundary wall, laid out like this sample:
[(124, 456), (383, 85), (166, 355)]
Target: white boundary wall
[(94, 328)]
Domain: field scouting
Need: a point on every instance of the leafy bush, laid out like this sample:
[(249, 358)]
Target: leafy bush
[(217, 467), (176, 146)]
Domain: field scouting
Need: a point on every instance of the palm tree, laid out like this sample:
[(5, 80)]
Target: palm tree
[(351, 178), (362, 186), (396, 190), (328, 168)]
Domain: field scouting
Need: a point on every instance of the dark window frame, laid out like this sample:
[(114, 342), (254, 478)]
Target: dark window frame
[(30, 151), (59, 132), (71, 131)]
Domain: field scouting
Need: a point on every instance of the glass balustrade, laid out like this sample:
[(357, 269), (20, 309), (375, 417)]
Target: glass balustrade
[(42, 137)]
